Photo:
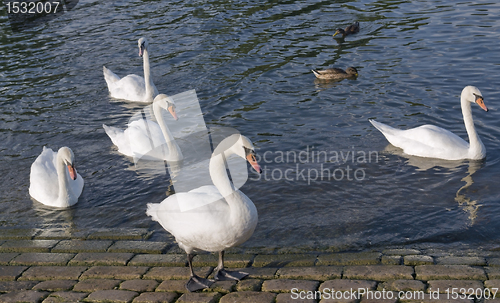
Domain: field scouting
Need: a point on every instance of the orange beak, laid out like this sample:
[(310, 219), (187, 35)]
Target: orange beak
[(480, 102), (251, 159), (72, 172), (172, 112)]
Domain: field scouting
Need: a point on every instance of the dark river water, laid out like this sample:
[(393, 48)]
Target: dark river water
[(250, 64)]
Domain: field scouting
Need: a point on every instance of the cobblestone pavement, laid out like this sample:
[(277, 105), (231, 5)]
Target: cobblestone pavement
[(111, 266)]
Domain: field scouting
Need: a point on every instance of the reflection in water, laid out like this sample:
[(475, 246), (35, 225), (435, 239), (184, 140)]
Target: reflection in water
[(467, 204), (56, 220)]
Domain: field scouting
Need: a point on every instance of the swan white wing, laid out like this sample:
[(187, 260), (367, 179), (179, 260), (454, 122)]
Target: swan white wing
[(426, 141), (146, 141), (131, 87), (120, 139), (43, 177), (76, 186)]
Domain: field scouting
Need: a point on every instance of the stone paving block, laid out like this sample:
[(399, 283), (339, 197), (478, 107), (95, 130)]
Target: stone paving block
[(42, 259), (378, 272), (159, 260), (199, 297), (96, 259), (249, 285), (155, 297), (121, 234), (8, 286), (60, 234), (401, 251), (65, 296), (17, 234), (293, 298), (391, 260), (55, 285), (230, 260), (115, 272), (28, 245), (330, 300), (257, 272), (223, 287), (114, 295), (139, 247), (402, 285), (91, 285), (25, 296), (492, 285), (248, 297), (6, 257), (175, 273), (284, 260), (288, 285), (491, 261), (442, 286), (320, 273), (413, 260), (80, 246), (139, 285), (173, 286), (433, 298), (10, 273), (346, 285), (472, 261), (364, 258), (449, 272), (42, 273), (380, 297), (492, 272)]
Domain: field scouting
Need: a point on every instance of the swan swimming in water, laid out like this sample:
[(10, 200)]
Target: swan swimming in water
[(436, 142), (132, 87), (229, 219), (141, 140), (54, 180)]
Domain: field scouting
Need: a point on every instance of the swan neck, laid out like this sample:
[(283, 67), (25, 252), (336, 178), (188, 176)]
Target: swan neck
[(220, 178), (475, 144), (147, 76), (62, 177), (173, 148)]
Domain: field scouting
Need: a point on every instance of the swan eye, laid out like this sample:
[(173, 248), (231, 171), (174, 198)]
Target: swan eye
[(478, 96)]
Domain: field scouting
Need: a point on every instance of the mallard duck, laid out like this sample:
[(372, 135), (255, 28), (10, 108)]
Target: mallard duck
[(351, 29), (336, 73)]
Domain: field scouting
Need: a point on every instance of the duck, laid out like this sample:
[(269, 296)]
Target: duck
[(133, 87), (351, 29), (218, 216), (335, 73), (54, 180), (435, 142), (143, 137)]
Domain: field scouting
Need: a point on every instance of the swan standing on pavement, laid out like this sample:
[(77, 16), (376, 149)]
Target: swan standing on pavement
[(227, 220), (143, 137), (54, 180), (435, 142), (133, 87)]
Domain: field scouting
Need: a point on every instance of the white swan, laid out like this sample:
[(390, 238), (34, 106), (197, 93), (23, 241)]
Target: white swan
[(435, 142), (143, 140), (54, 180), (133, 87), (229, 218)]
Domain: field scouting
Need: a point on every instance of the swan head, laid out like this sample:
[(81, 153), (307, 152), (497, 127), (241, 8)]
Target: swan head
[(167, 103), (68, 158), (473, 95), (242, 147), (143, 45)]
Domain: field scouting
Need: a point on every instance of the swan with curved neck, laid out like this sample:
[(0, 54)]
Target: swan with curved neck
[(54, 180), (133, 87), (219, 216), (435, 142), (143, 137)]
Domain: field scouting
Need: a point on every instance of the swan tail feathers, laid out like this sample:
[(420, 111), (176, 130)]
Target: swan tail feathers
[(152, 211), (316, 73), (109, 76), (383, 128)]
